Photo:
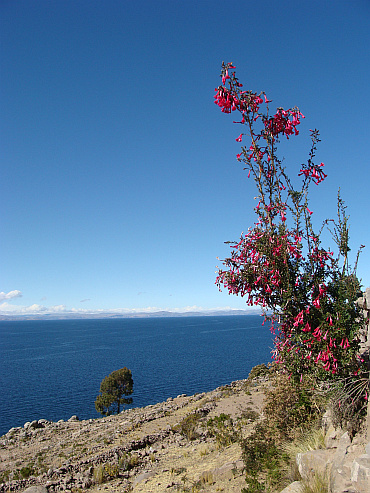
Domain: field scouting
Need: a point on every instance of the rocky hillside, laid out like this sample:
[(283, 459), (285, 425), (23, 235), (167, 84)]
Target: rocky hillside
[(168, 447), (153, 449)]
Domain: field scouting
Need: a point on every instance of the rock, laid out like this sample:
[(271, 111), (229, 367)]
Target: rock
[(296, 487), (74, 418), (326, 421), (360, 473), (14, 430), (331, 437), (36, 489), (367, 298), (314, 462), (340, 474), (143, 476), (227, 470)]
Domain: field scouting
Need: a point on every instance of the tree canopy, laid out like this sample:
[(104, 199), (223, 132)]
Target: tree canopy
[(112, 389)]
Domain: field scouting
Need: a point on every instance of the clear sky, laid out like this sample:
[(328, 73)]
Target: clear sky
[(119, 181)]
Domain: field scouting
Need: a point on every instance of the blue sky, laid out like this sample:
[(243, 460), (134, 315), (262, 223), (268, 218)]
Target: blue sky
[(119, 181)]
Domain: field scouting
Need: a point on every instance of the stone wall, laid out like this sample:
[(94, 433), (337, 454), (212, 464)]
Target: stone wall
[(364, 303)]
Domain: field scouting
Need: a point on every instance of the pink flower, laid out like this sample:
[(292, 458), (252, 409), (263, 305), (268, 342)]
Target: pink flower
[(344, 344), (239, 139), (225, 77)]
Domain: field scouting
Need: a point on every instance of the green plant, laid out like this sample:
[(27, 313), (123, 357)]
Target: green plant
[(4, 476), (134, 460), (222, 428), (318, 484), (310, 440), (206, 478), (98, 474), (290, 412), (188, 426), (258, 371), (249, 414), (313, 439), (259, 450), (27, 471), (177, 470), (347, 405), (112, 388), (205, 450), (128, 461), (291, 408), (111, 470)]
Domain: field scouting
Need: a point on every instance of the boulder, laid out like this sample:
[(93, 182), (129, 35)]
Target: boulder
[(36, 489), (296, 487), (314, 462), (360, 473), (144, 476)]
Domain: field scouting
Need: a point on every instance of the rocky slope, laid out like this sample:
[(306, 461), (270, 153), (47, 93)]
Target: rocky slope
[(152, 449), (167, 447)]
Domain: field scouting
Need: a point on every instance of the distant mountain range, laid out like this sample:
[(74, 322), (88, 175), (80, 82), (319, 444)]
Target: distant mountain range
[(115, 315)]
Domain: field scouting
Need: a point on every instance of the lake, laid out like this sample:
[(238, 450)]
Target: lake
[(52, 369)]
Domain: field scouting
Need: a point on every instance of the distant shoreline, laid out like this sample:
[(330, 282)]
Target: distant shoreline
[(112, 315)]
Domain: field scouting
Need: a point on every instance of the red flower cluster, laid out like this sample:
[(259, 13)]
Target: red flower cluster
[(315, 172), (280, 122)]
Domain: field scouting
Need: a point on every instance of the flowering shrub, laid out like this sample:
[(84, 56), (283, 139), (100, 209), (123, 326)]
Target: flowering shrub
[(308, 292)]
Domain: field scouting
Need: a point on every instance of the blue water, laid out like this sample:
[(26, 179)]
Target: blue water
[(52, 369)]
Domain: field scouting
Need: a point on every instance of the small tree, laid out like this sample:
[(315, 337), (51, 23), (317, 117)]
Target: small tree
[(112, 388)]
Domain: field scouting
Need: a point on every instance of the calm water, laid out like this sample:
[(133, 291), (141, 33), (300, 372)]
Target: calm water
[(53, 369)]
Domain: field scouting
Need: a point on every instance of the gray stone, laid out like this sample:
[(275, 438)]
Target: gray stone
[(73, 418), (331, 437), (227, 470), (14, 430), (36, 489), (326, 421), (340, 474), (367, 298), (296, 487), (314, 462), (143, 477), (360, 473)]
